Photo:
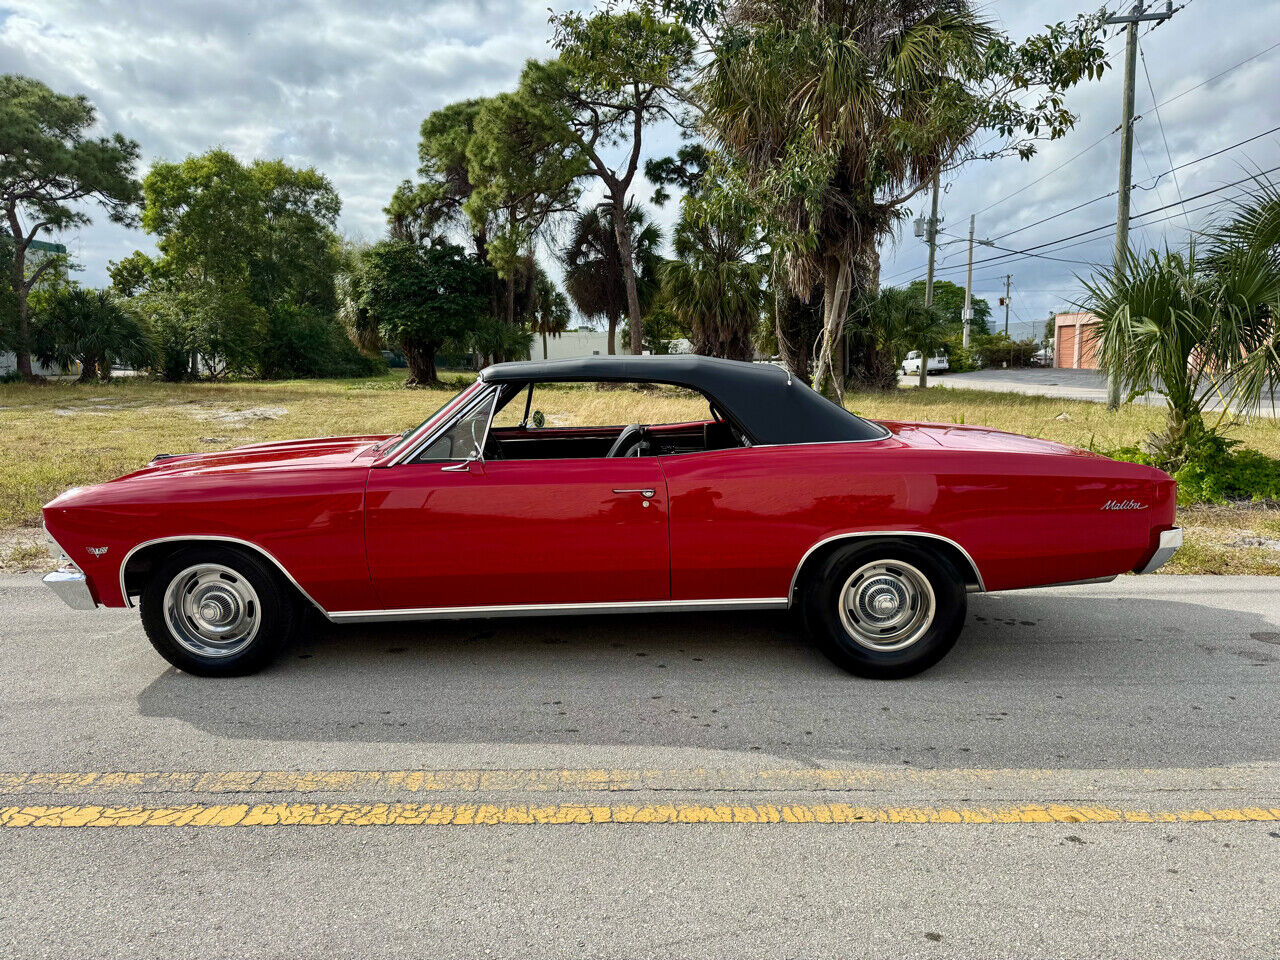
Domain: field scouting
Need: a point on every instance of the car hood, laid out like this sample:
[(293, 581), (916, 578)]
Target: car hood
[(951, 436), (261, 456)]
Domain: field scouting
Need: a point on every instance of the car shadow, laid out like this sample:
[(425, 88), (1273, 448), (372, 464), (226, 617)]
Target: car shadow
[(1037, 679)]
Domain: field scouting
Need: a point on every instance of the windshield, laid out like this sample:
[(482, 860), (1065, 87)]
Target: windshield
[(393, 444)]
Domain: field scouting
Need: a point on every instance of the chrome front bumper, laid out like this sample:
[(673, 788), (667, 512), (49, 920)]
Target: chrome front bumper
[(1170, 541), (72, 587), (68, 581)]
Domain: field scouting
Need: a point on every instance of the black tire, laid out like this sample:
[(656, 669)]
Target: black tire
[(894, 570), (260, 604)]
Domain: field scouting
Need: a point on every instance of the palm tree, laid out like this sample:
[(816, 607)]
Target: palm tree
[(1194, 328), (593, 274), (715, 285), (888, 325), (92, 327), (837, 113), (550, 314)]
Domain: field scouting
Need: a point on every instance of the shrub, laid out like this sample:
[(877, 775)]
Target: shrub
[(300, 342), (1217, 472), (961, 358)]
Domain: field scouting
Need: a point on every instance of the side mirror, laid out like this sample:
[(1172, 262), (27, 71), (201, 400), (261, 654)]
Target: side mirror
[(539, 420), (463, 465)]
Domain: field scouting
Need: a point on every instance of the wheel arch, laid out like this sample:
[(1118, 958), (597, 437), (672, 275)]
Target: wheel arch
[(149, 554), (955, 553)]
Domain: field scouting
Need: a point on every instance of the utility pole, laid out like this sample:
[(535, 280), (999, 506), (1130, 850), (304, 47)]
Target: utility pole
[(932, 237), (1008, 279), (968, 286), (1137, 14)]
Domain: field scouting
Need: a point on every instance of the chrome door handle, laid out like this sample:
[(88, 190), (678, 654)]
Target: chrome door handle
[(646, 493)]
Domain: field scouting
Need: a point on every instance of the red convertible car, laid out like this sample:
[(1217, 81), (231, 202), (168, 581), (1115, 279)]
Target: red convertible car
[(776, 499)]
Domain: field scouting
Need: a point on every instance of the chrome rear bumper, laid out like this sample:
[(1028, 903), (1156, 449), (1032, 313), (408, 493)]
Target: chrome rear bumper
[(72, 587), (1170, 541)]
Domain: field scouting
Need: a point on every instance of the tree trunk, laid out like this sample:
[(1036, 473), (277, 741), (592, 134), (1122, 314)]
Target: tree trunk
[(22, 349), (421, 360), (868, 364), (88, 370), (835, 296), (613, 334), (924, 369), (798, 324), (544, 344), (627, 254)]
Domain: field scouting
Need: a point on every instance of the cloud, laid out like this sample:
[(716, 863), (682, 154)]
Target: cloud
[(1196, 44), (344, 85)]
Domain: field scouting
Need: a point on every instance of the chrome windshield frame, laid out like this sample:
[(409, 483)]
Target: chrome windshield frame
[(486, 393)]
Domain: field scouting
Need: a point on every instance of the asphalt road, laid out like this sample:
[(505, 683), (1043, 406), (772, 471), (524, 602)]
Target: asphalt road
[(1065, 384), (1115, 749)]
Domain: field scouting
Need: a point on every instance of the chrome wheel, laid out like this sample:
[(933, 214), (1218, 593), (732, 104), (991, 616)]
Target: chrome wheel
[(212, 611), (887, 605)]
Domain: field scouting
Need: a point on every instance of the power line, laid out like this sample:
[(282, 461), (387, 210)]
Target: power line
[(1156, 106), (1159, 120), (1234, 66), (1047, 175), (1022, 100), (1063, 242), (988, 243), (1210, 156), (1181, 166), (1139, 186)]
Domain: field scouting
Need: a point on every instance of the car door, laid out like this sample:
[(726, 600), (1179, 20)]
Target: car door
[(446, 531)]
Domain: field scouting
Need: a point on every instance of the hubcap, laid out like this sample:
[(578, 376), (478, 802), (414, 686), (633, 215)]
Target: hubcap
[(212, 611), (887, 605)]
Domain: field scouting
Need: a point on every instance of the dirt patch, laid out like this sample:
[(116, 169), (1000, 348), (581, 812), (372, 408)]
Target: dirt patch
[(235, 418), (24, 551), (1265, 542)]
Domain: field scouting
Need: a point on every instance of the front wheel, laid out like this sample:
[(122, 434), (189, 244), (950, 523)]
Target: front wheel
[(214, 611), (884, 609)]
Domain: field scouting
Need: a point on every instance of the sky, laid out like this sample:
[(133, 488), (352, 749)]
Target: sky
[(343, 86)]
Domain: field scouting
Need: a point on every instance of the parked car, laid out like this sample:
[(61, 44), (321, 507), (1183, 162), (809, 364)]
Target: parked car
[(775, 499), (938, 363)]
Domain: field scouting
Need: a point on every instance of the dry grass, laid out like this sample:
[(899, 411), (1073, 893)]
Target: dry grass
[(60, 435), (1236, 538)]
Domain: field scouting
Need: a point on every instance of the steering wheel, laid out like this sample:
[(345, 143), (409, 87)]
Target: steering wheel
[(630, 436)]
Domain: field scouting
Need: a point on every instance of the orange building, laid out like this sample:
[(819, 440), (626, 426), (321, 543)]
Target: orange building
[(1075, 343)]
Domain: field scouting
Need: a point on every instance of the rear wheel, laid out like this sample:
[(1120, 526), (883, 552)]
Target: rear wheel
[(884, 609), (217, 612)]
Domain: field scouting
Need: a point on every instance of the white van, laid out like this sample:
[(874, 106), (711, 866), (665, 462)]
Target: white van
[(938, 363)]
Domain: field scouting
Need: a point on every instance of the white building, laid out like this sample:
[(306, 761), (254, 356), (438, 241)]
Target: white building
[(9, 363), (578, 343)]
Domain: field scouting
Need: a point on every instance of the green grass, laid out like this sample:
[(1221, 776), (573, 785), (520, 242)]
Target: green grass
[(59, 435)]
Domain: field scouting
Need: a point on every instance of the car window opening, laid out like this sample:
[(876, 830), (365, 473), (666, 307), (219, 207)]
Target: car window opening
[(521, 429)]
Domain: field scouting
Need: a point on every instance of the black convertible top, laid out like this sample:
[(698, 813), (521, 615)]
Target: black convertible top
[(772, 406)]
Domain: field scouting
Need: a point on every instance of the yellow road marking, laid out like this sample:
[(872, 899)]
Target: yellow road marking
[(604, 780), (477, 815)]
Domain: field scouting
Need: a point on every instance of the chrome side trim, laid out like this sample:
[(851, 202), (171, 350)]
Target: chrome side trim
[(795, 577), (72, 589), (1060, 583), (1170, 541), (124, 564), (888, 434), (557, 609)]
